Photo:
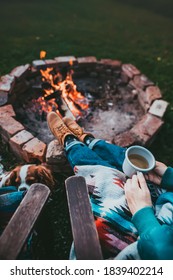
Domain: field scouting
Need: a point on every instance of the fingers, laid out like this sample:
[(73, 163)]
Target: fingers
[(132, 183), (141, 180), (127, 185), (146, 176), (137, 181)]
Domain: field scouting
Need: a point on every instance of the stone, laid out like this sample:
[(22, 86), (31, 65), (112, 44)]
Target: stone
[(148, 96), (130, 70), (65, 60), (34, 151), (125, 139), (110, 62), (7, 83), (141, 82), (51, 62), (146, 129), (7, 111), (18, 140), (20, 71), (87, 60), (3, 98), (152, 93), (38, 64), (124, 78), (9, 127), (55, 153), (142, 100), (158, 108)]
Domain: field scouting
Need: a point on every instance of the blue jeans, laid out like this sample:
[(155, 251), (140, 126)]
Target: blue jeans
[(98, 152)]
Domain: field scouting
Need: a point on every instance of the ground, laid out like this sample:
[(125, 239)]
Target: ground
[(128, 30)]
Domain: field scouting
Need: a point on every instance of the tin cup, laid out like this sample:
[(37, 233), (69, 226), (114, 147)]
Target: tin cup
[(138, 158)]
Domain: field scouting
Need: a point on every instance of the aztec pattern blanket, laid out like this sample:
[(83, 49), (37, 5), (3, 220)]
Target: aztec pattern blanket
[(116, 232)]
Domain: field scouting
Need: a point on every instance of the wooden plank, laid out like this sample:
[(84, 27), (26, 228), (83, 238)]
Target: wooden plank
[(22, 222), (86, 241)]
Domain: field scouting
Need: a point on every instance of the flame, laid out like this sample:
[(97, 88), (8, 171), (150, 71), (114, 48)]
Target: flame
[(47, 106), (71, 62), (42, 54), (76, 102)]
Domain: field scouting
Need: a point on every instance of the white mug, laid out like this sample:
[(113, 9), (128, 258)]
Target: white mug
[(130, 168)]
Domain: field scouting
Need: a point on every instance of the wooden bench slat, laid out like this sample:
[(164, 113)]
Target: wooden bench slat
[(22, 222), (86, 241)]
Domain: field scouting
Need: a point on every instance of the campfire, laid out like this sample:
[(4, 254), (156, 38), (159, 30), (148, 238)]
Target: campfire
[(61, 96), (98, 103), (113, 101)]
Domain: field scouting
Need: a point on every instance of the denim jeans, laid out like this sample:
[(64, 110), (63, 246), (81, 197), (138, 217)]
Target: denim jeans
[(99, 152)]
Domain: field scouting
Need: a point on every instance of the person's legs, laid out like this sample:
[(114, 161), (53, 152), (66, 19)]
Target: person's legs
[(112, 154), (79, 154)]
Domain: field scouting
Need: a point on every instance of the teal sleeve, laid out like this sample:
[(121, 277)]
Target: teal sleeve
[(156, 241), (144, 220), (167, 179)]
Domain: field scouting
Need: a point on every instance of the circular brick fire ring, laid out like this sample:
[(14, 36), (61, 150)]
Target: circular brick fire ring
[(30, 149)]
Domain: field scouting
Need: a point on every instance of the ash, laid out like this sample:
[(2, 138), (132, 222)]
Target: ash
[(112, 110)]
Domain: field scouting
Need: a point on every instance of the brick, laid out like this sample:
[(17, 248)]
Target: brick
[(110, 62), (130, 70), (148, 96), (147, 128), (34, 151), (9, 127), (87, 60), (18, 140), (3, 98), (55, 153), (51, 62), (39, 64), (124, 78), (142, 100), (7, 111), (20, 71), (141, 82), (65, 60), (152, 93), (125, 139), (158, 108), (7, 83)]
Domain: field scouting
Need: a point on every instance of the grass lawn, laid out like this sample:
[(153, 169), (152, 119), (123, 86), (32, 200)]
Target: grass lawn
[(138, 34), (128, 30)]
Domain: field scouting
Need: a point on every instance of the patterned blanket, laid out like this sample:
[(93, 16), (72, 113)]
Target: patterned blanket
[(112, 216)]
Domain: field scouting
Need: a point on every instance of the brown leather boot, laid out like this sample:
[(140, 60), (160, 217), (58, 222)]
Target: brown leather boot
[(76, 129), (58, 127)]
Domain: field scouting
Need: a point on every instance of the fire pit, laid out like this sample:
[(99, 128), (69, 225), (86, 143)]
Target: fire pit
[(114, 101)]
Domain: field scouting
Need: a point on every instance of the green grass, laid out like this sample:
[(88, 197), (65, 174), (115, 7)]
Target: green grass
[(126, 30)]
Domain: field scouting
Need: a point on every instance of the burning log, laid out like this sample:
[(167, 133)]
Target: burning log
[(46, 85), (56, 94)]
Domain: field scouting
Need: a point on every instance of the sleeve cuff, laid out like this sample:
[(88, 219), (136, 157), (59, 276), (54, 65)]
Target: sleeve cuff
[(167, 179), (144, 220)]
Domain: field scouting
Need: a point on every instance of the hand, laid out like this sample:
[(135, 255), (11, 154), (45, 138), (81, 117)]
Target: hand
[(155, 175), (137, 193)]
